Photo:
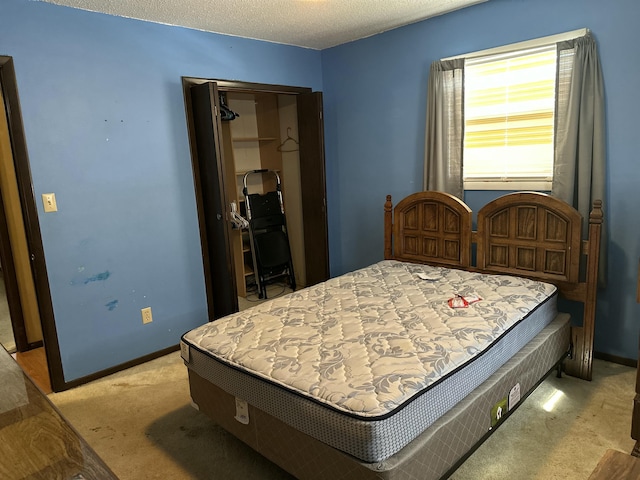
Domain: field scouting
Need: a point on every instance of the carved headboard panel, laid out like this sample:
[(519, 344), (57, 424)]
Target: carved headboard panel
[(530, 234), (432, 227)]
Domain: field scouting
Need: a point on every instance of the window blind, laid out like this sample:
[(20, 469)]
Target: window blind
[(509, 116)]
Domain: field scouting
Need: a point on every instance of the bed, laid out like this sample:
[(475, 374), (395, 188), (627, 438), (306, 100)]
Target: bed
[(400, 369)]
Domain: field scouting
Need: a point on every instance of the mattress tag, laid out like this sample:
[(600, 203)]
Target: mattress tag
[(428, 276), (184, 351), (472, 298), (458, 302), (514, 396), (242, 411)]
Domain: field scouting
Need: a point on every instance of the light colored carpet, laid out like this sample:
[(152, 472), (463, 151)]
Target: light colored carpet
[(567, 441), (141, 423)]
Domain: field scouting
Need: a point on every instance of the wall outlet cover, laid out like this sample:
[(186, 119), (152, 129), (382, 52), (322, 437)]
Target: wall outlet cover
[(146, 315)]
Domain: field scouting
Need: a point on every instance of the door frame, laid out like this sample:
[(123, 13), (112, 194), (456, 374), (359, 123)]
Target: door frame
[(225, 86), (33, 234)]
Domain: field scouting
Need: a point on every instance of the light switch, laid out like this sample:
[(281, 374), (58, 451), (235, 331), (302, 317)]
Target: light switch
[(49, 201)]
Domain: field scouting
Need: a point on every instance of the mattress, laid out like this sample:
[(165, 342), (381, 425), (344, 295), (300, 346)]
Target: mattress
[(367, 361)]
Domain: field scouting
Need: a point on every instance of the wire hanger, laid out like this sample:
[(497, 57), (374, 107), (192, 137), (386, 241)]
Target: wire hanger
[(287, 146), (226, 114)]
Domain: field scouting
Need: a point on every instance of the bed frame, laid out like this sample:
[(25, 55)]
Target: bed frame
[(527, 234)]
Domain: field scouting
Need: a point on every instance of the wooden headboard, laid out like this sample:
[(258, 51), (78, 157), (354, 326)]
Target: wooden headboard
[(530, 234), (434, 227), (527, 234)]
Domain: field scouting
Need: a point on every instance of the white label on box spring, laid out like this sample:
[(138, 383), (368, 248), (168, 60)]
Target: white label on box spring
[(184, 351), (514, 396), (242, 411)]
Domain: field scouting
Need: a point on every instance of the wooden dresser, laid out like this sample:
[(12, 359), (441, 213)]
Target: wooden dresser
[(616, 465), (36, 442)]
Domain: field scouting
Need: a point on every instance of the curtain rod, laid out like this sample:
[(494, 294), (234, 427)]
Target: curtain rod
[(536, 42)]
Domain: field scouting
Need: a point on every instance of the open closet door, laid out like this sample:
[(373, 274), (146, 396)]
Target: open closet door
[(313, 186), (209, 179)]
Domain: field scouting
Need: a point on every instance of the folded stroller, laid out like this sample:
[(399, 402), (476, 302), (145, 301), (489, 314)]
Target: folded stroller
[(268, 234)]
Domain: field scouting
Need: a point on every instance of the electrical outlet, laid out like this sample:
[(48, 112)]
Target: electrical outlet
[(146, 315)]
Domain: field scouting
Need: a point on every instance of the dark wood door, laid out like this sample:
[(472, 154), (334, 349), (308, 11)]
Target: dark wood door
[(313, 186), (209, 178)]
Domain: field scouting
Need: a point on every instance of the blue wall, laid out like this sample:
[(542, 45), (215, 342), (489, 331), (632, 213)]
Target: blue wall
[(104, 119), (375, 106)]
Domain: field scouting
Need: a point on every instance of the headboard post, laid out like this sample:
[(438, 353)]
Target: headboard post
[(388, 228), (583, 353)]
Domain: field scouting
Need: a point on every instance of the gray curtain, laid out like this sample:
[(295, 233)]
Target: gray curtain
[(445, 128), (579, 163)]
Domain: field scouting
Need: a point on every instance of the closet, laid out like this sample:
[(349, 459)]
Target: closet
[(252, 141), (235, 128)]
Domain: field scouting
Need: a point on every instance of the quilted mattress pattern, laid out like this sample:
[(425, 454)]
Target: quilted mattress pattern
[(366, 343)]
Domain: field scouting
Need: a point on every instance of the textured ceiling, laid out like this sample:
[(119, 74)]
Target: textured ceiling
[(316, 24)]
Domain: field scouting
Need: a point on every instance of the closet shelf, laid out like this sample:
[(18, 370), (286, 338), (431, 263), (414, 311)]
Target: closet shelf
[(240, 173), (254, 139)]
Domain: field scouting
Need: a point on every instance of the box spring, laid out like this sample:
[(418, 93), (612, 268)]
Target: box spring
[(430, 456)]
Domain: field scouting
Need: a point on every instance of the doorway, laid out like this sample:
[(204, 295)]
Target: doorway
[(239, 127), (21, 251), (7, 337)]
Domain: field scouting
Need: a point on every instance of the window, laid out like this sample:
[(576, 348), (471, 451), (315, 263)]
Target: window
[(509, 112)]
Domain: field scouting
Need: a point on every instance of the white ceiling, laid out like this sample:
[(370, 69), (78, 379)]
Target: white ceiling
[(315, 24)]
